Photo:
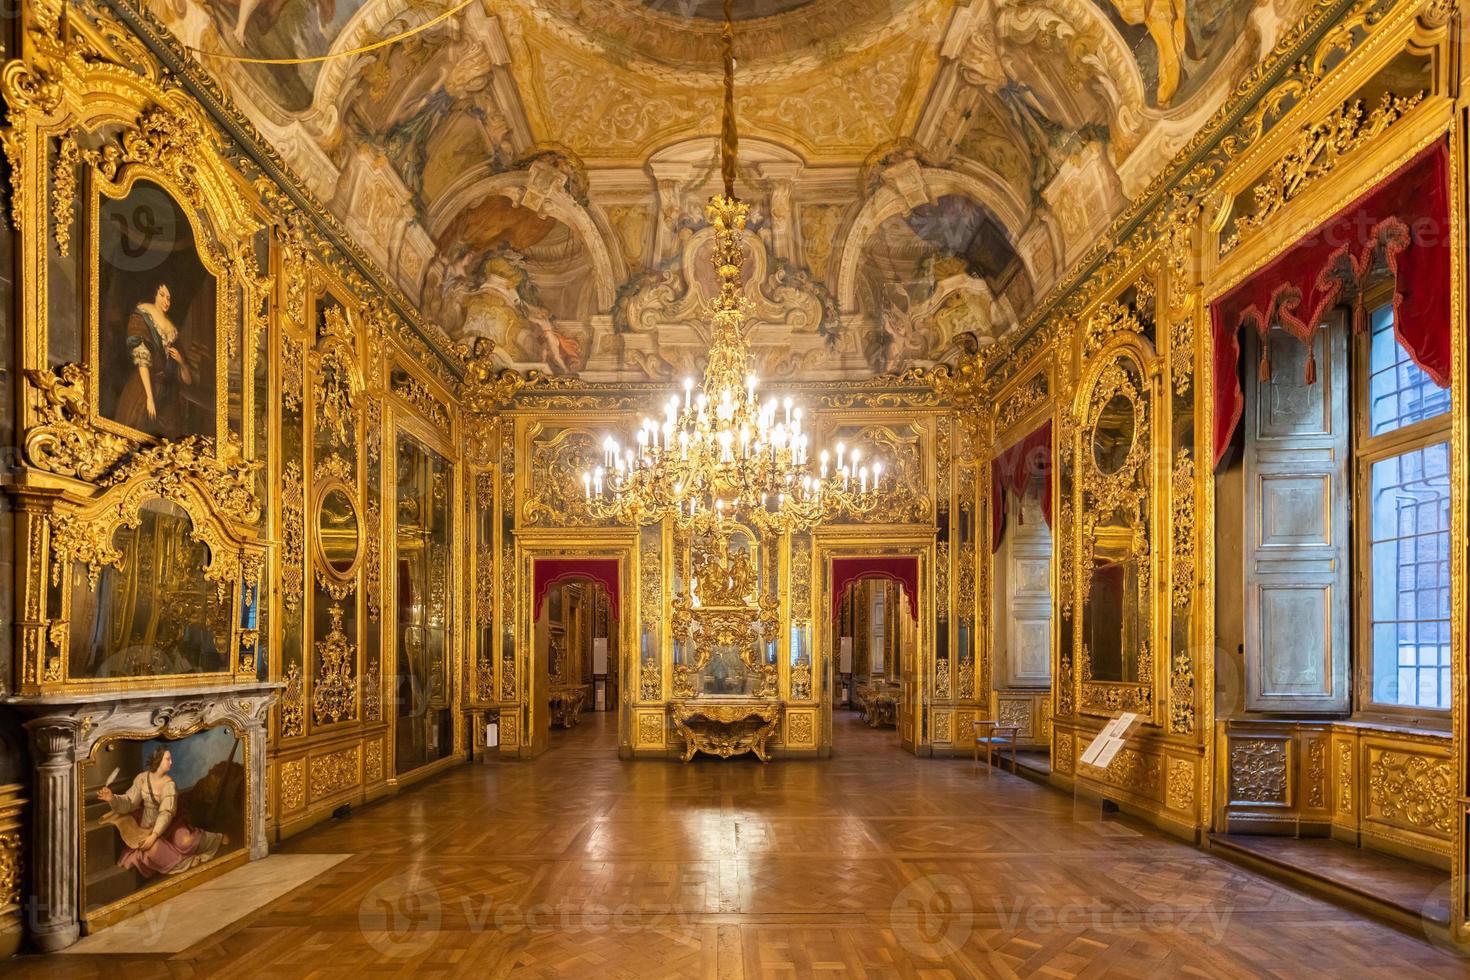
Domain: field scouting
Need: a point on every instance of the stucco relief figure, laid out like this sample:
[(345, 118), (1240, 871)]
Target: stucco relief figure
[(158, 837), (149, 400)]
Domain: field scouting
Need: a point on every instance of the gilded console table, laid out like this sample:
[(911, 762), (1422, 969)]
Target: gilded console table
[(566, 706), (726, 728)]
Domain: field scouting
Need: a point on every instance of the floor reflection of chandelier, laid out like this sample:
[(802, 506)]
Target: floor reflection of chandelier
[(719, 452)]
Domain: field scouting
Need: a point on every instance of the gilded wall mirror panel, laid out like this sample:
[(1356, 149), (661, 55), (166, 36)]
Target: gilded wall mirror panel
[(338, 531), (423, 539), (1113, 575), (154, 614), (157, 315)]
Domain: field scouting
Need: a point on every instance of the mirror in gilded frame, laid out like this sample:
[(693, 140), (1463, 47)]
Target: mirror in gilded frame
[(1115, 491)]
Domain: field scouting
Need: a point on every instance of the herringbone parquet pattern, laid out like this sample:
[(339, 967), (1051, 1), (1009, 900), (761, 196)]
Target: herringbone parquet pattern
[(872, 864)]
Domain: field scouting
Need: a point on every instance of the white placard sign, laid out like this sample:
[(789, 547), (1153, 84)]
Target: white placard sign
[(492, 734), (599, 655), (1110, 741), (845, 656)]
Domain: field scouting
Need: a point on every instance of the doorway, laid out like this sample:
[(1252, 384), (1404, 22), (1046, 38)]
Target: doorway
[(874, 643), (875, 635), (576, 643), (573, 632)]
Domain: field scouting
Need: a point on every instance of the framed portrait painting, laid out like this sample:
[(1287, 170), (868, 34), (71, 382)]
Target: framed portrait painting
[(156, 317)]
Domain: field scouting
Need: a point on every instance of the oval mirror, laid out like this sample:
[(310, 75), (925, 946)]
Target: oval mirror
[(338, 533), (1112, 436)]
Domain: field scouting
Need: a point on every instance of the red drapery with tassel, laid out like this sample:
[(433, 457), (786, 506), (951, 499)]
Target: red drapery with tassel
[(546, 572), (1012, 470), (1400, 226)]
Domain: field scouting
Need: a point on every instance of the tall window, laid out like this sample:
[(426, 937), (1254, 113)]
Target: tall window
[(1403, 518)]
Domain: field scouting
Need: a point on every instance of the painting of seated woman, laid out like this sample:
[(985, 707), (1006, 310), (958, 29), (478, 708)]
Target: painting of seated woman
[(158, 808), (156, 308)]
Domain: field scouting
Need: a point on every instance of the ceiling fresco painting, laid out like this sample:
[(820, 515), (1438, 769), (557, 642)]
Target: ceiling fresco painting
[(920, 172)]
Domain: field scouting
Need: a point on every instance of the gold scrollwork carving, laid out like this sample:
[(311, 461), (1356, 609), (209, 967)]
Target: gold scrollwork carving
[(293, 536), (650, 728), (1413, 791), (1181, 695), (293, 784), (416, 393), (1319, 148), (1031, 393), (1108, 319), (293, 703), (338, 378), (1185, 573), (334, 772), (372, 761), (1258, 770), (64, 441), (334, 689), (1180, 791)]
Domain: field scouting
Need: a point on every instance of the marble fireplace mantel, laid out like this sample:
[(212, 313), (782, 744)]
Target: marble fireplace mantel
[(65, 728)]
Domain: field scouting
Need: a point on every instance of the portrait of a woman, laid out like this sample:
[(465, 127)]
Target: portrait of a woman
[(156, 325), (158, 837), (151, 396)]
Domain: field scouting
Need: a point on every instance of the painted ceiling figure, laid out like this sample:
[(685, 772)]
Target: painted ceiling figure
[(1167, 24), (449, 78), (268, 10)]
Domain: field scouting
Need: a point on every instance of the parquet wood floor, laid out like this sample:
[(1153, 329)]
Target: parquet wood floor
[(871, 864)]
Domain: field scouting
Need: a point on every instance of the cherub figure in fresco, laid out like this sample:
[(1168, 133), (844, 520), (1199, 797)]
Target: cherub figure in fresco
[(158, 838)]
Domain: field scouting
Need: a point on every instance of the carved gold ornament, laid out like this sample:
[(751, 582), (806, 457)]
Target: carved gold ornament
[(334, 688), (1258, 770), (64, 441), (1318, 149), (1413, 791)]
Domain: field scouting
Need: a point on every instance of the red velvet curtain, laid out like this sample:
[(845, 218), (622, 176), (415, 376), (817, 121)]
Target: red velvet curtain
[(1401, 225), (1012, 470), (903, 570), (546, 572)]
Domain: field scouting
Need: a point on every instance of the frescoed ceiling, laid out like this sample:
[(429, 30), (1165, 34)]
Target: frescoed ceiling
[(920, 171)]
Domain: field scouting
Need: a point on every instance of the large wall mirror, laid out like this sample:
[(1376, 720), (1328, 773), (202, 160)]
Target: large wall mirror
[(423, 539), (1114, 583)]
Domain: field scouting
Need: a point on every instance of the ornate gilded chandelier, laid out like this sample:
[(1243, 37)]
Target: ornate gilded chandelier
[(719, 453)]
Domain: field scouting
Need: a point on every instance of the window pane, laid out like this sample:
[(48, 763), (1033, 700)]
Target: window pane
[(1410, 540), (1399, 392)]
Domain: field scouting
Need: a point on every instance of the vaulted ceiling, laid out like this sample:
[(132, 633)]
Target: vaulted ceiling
[(920, 171)]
